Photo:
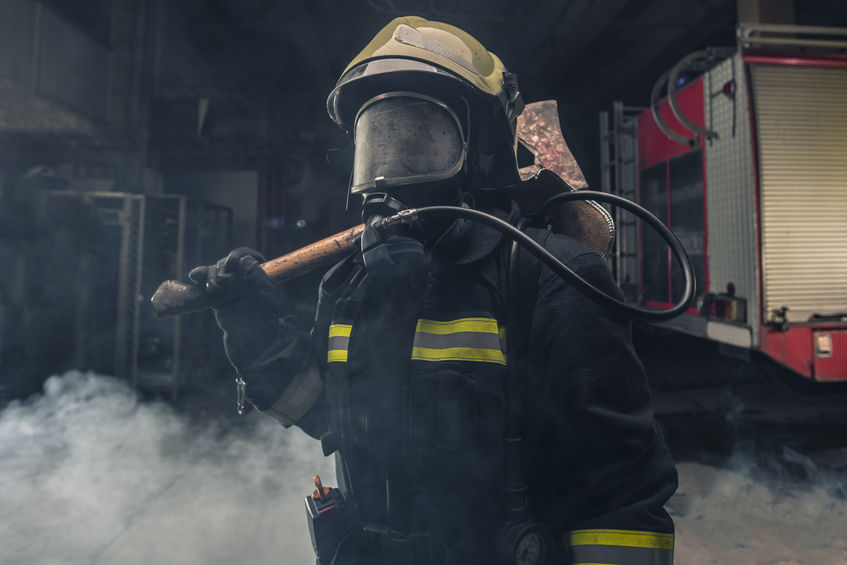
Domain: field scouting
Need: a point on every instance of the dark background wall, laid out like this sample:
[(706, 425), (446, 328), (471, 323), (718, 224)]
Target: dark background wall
[(223, 102)]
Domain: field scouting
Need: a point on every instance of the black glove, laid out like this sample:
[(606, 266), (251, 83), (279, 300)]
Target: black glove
[(245, 308)]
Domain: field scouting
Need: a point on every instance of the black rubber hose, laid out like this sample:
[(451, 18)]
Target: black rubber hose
[(561, 269)]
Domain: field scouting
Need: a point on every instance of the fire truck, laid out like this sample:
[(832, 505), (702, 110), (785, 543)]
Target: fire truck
[(743, 153)]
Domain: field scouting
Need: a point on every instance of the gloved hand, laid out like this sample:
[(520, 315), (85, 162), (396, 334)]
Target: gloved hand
[(246, 310)]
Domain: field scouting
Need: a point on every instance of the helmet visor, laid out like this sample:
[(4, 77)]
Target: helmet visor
[(405, 138)]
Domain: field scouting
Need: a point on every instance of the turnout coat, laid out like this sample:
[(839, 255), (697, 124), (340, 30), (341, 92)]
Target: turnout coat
[(403, 380)]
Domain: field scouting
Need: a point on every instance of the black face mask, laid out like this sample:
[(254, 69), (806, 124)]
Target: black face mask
[(410, 152)]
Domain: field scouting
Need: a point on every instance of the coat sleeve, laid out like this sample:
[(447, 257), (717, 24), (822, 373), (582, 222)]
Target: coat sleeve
[(599, 469), (284, 382), (287, 383)]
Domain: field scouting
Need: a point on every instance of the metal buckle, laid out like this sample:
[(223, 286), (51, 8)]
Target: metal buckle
[(240, 395)]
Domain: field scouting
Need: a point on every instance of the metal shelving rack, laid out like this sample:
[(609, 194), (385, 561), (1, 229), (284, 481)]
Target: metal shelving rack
[(137, 241), (619, 175)]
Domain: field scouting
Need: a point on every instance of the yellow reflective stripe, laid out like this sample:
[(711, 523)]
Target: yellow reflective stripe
[(623, 538), (340, 330), (485, 325), (336, 356), (342, 333), (458, 354), (501, 332), (463, 339)]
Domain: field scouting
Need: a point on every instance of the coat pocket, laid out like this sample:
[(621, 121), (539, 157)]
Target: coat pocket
[(455, 409)]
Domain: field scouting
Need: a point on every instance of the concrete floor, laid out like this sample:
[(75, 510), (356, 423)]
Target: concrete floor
[(90, 475)]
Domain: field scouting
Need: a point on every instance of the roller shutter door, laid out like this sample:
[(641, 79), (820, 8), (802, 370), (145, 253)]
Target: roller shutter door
[(801, 115)]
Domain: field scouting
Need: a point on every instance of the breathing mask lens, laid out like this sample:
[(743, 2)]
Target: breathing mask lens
[(403, 138)]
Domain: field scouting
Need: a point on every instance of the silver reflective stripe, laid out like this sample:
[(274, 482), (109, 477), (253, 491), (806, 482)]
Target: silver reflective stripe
[(411, 36), (298, 397), (592, 554), (339, 342), (461, 339)]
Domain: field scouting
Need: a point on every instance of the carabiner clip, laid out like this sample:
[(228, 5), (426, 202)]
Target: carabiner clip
[(240, 395)]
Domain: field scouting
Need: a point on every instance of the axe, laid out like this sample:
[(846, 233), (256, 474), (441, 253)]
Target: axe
[(554, 171)]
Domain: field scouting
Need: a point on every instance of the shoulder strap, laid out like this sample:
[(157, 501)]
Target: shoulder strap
[(522, 273), (345, 310), (521, 296), (519, 322)]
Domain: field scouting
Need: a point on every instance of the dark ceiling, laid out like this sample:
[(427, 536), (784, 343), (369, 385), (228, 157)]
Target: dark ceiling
[(278, 60)]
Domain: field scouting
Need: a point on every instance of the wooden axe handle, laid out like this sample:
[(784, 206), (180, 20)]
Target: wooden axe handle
[(174, 298)]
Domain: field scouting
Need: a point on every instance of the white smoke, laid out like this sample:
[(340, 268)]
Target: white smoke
[(742, 513), (90, 474)]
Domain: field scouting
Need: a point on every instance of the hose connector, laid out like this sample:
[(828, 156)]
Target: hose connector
[(405, 217)]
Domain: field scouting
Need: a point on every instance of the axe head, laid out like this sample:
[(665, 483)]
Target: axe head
[(555, 171)]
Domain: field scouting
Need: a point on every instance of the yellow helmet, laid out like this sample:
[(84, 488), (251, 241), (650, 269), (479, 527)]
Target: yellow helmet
[(413, 54)]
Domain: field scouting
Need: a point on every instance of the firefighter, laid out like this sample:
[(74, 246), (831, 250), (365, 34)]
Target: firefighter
[(403, 376)]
